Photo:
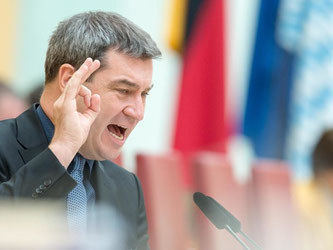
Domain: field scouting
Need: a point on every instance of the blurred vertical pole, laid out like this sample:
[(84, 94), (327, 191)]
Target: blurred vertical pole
[(8, 20)]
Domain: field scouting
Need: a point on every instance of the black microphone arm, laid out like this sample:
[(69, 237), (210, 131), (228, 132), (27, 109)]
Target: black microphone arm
[(222, 218)]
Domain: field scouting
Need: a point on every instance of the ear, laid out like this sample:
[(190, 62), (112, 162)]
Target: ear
[(65, 73)]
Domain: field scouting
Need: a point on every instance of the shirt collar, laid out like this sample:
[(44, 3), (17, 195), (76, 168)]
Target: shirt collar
[(46, 123)]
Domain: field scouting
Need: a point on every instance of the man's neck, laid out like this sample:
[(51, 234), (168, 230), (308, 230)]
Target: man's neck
[(49, 96)]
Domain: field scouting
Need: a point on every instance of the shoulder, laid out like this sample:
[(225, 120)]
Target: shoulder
[(8, 132), (7, 126), (115, 170), (10, 126), (8, 147), (15, 132), (9, 129), (121, 175)]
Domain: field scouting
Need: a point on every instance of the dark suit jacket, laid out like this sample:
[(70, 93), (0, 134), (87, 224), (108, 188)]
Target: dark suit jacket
[(28, 169)]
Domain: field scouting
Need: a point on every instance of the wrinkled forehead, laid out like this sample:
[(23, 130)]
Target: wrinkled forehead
[(125, 69), (116, 64)]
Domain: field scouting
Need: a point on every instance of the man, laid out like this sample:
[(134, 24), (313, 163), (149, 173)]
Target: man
[(98, 72), (314, 197)]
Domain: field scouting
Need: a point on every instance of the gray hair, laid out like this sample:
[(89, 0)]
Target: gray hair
[(92, 34)]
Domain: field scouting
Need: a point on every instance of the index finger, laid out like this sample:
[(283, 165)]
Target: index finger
[(93, 67), (86, 69)]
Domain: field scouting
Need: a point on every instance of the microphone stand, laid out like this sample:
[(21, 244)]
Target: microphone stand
[(250, 240), (236, 237), (228, 228)]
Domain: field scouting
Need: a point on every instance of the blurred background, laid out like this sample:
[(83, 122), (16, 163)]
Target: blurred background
[(241, 97)]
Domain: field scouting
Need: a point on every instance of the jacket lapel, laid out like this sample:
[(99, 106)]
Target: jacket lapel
[(30, 153), (104, 184), (30, 134)]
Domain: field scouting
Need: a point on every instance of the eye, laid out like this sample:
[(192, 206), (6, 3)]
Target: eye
[(123, 91), (144, 94)]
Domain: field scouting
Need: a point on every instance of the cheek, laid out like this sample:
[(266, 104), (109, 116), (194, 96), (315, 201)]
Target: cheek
[(111, 107)]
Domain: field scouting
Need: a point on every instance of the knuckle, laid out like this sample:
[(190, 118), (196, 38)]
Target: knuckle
[(85, 90)]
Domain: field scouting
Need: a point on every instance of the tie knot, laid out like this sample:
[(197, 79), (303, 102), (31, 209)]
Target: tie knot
[(79, 163)]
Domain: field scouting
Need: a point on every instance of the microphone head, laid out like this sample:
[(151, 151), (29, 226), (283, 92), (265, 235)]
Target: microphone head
[(216, 213), (210, 209), (232, 222)]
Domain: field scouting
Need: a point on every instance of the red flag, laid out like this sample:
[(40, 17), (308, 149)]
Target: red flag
[(201, 123)]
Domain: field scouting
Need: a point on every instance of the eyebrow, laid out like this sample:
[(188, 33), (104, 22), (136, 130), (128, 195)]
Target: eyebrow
[(128, 84)]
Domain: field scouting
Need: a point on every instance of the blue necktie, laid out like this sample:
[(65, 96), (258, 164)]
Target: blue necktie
[(79, 198)]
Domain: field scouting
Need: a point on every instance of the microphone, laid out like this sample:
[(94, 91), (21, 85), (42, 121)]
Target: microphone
[(231, 220), (211, 210), (221, 217)]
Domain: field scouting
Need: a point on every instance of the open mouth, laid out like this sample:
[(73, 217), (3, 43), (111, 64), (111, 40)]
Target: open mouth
[(117, 131)]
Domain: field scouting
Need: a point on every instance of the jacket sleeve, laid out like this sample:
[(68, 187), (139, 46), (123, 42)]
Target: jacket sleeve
[(42, 177)]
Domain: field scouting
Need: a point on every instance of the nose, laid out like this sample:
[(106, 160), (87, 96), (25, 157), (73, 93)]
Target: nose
[(135, 110)]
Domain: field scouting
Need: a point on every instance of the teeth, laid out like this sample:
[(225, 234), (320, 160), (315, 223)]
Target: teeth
[(121, 126), (116, 136)]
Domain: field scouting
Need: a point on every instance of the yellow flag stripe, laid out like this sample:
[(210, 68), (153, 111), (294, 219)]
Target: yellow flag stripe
[(8, 20), (177, 24)]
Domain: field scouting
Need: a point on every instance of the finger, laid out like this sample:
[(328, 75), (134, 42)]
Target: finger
[(94, 108), (73, 85), (86, 94), (92, 68), (95, 102)]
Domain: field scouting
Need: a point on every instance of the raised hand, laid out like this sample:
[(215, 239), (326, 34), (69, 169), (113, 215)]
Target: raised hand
[(71, 126)]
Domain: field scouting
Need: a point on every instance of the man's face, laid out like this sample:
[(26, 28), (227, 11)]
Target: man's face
[(122, 85)]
